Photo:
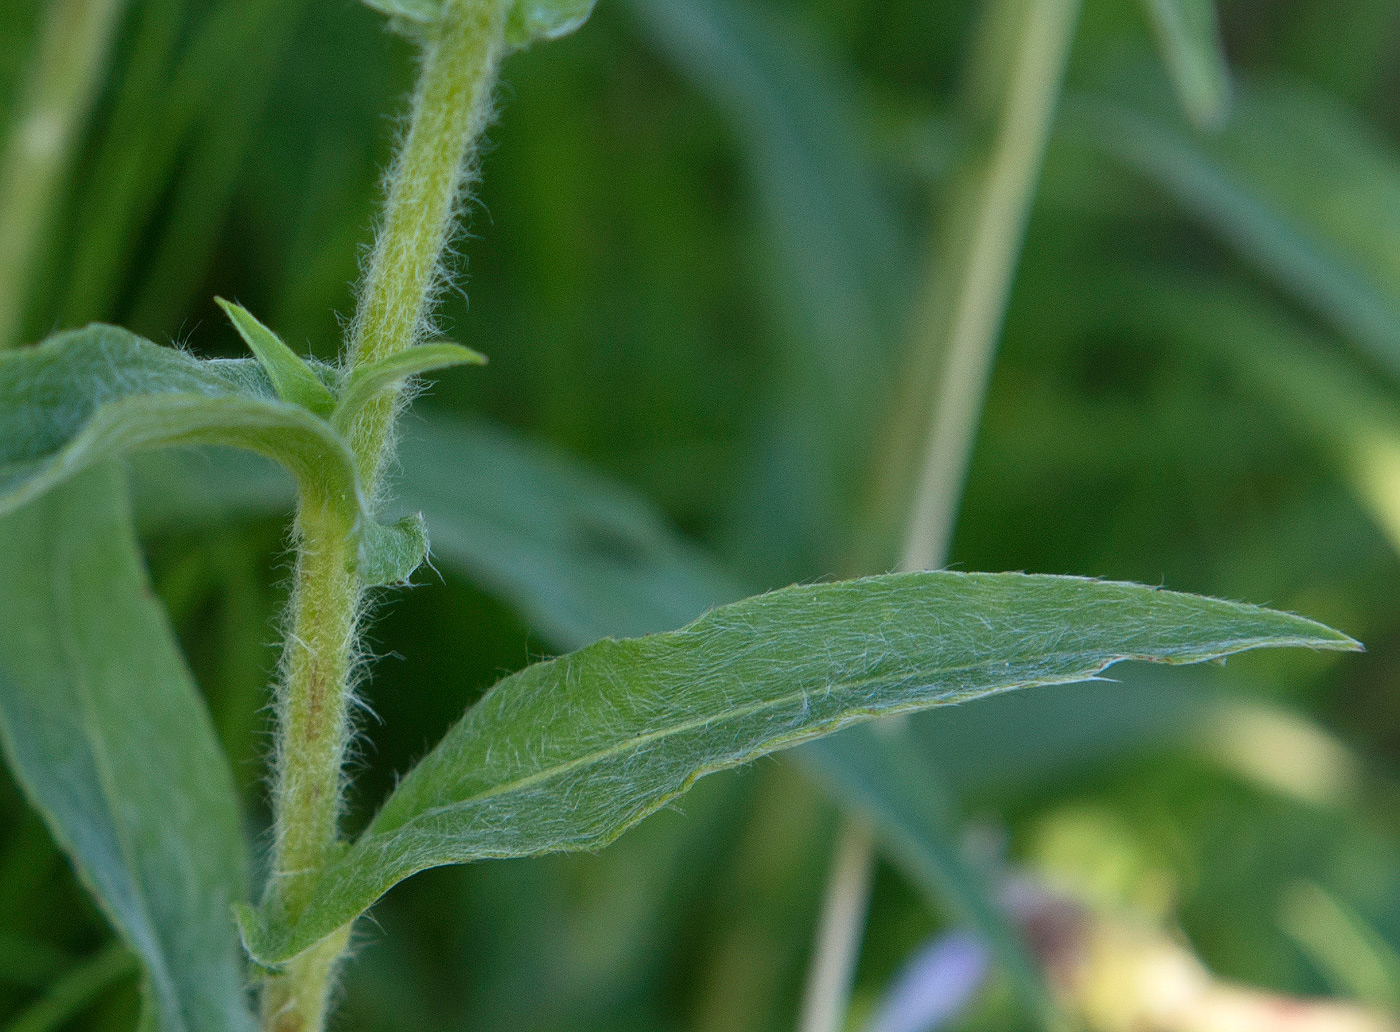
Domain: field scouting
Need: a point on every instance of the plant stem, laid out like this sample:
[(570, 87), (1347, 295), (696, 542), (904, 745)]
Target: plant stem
[(982, 264), (958, 321), (450, 107), (54, 103), (826, 996)]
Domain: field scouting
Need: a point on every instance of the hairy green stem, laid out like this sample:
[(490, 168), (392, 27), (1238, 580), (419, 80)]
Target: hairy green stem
[(54, 103), (955, 335), (450, 107), (452, 104)]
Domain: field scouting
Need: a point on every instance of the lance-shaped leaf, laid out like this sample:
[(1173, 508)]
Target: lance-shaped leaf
[(569, 753), (111, 742), (371, 381), (293, 378), (93, 394)]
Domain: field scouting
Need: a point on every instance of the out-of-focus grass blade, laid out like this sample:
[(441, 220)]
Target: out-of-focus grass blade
[(1188, 38), (879, 771), (110, 740), (569, 753), (1295, 184), (838, 247), (159, 107), (841, 265), (75, 990), (579, 556), (35, 147), (1340, 408)]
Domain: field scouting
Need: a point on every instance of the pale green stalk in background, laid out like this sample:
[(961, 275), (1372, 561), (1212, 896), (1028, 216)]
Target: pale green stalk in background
[(450, 106), (53, 105), (955, 334)]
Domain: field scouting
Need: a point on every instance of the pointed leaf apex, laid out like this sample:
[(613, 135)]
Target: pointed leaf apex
[(294, 380)]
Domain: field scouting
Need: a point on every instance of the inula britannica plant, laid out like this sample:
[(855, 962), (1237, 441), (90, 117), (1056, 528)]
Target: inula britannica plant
[(106, 733)]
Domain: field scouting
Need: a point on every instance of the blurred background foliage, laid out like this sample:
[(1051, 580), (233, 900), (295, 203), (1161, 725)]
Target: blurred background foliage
[(693, 260)]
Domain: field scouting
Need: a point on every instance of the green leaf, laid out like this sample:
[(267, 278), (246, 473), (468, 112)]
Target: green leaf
[(527, 21), (89, 395), (367, 383), (389, 553), (1188, 36), (290, 375), (92, 394), (112, 744), (880, 772), (569, 753), (530, 21), (70, 995)]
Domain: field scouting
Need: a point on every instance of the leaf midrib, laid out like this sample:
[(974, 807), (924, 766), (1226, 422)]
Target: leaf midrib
[(749, 709)]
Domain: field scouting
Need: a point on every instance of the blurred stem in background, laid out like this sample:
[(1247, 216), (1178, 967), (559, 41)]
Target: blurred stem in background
[(54, 102), (1012, 94)]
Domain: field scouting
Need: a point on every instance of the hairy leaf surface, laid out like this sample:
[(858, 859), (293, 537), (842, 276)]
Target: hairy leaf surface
[(111, 742), (290, 374), (370, 381), (93, 394), (569, 753)]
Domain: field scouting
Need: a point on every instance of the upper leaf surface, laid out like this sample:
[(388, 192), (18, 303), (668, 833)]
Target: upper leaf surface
[(91, 394), (111, 742), (88, 395), (569, 753)]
